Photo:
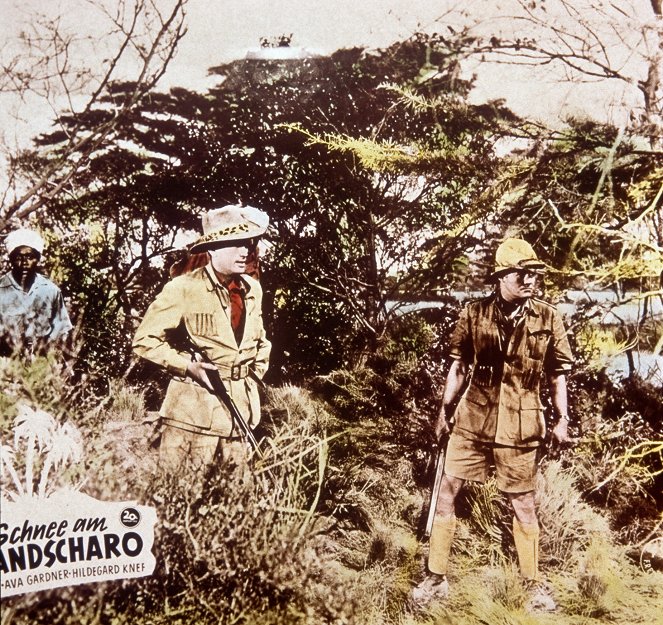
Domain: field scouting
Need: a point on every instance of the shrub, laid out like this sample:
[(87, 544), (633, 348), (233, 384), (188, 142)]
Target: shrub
[(322, 530), (238, 548)]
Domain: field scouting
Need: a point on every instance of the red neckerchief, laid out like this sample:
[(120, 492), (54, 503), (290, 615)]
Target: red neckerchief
[(237, 290)]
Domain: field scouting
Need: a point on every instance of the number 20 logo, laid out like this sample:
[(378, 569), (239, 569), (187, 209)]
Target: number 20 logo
[(130, 517)]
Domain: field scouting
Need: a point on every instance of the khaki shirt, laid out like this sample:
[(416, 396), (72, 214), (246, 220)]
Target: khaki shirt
[(502, 403), (200, 304)]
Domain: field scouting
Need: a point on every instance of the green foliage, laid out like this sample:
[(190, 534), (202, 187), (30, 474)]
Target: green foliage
[(599, 585), (233, 564), (350, 233), (599, 345), (618, 459), (627, 487), (382, 184), (591, 199), (401, 377), (237, 546), (48, 382), (329, 534), (317, 343)]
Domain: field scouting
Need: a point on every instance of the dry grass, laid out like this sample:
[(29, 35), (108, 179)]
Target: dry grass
[(323, 531), (569, 524)]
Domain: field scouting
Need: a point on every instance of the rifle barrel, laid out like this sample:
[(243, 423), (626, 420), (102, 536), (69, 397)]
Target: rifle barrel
[(439, 472)]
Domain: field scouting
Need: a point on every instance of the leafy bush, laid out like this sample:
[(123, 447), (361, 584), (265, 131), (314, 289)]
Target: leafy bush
[(323, 529), (237, 548)]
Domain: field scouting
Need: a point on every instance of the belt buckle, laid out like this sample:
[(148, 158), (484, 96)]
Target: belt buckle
[(236, 372)]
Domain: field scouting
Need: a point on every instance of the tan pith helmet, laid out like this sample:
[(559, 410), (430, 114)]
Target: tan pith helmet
[(230, 223), (515, 254)]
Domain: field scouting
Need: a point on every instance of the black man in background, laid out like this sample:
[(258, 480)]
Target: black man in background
[(33, 316)]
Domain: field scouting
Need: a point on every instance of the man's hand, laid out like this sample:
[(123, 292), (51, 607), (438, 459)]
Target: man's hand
[(196, 371), (560, 432), (442, 426)]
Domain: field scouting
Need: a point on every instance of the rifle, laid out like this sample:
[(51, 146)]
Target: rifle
[(220, 391), (439, 472)]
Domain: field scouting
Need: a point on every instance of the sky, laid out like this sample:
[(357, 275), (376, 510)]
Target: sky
[(221, 30)]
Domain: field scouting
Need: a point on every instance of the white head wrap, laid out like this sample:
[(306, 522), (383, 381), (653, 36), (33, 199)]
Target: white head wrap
[(24, 236)]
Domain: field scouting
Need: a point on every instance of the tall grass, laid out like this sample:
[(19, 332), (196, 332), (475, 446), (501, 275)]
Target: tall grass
[(240, 547), (322, 529)]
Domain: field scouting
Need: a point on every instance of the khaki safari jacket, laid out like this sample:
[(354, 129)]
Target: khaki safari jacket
[(198, 303), (502, 404)]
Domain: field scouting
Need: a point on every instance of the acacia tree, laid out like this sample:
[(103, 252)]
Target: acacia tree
[(350, 231), (589, 42), (41, 65), (589, 193), (402, 171), (591, 200)]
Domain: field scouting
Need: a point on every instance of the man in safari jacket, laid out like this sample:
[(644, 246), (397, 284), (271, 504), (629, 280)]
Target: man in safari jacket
[(219, 307), (502, 347)]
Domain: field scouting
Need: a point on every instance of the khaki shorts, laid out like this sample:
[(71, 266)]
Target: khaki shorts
[(515, 467)]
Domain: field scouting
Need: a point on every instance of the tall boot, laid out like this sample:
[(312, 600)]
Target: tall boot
[(441, 537), (526, 538)]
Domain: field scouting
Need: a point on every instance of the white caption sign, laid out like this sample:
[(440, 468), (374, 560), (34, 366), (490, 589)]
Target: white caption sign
[(71, 538)]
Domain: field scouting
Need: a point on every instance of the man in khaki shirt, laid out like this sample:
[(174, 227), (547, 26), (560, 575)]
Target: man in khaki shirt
[(502, 347), (219, 307)]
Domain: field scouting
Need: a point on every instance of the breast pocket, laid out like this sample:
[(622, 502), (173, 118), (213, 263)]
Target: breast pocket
[(537, 343)]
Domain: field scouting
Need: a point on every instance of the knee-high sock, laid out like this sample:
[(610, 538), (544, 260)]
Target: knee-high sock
[(441, 537), (526, 538)]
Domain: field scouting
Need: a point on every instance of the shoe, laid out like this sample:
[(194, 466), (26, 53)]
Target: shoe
[(540, 598), (432, 588)]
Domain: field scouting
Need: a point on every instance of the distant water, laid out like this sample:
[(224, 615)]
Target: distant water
[(609, 309), (648, 366), (603, 306)]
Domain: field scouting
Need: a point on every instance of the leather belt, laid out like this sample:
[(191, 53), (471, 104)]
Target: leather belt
[(234, 372)]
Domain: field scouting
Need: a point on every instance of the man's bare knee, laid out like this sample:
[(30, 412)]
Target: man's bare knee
[(524, 507), (449, 489)]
